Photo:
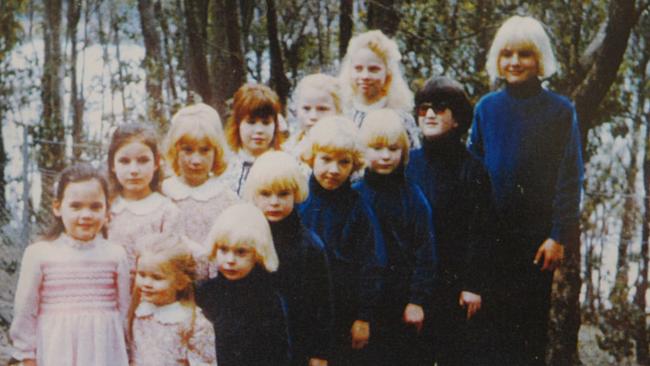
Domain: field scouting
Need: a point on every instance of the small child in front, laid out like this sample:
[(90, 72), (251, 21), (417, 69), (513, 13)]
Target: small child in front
[(407, 225), (73, 289), (165, 326), (275, 184), (241, 302), (350, 232)]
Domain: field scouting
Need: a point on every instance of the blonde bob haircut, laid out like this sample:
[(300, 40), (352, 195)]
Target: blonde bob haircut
[(396, 90), (195, 123), (334, 134), (276, 170), (325, 83), (244, 224), (526, 33), (384, 127)]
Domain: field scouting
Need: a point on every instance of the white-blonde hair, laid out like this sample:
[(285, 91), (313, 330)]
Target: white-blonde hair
[(197, 122), (276, 170), (334, 134), (244, 224), (526, 32), (385, 126), (398, 94), (325, 83)]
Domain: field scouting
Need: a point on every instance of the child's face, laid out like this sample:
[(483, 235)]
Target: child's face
[(435, 120), (332, 169), (134, 166), (314, 104), (518, 64), (235, 261), (368, 74), (195, 160), (384, 158), (276, 204), (256, 134), (82, 209), (156, 285)]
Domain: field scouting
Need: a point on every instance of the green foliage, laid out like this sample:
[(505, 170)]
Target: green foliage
[(10, 26)]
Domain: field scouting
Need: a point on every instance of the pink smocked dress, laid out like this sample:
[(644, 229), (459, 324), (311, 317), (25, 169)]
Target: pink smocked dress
[(131, 220), (164, 336), (70, 304)]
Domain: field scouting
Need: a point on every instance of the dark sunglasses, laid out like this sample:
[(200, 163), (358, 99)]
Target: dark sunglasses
[(437, 108)]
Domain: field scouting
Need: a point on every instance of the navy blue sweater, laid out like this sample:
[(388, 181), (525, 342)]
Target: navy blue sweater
[(458, 189), (529, 141), (355, 249), (407, 225), (303, 279)]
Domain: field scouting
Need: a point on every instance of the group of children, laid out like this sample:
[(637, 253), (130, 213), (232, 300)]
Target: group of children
[(348, 244)]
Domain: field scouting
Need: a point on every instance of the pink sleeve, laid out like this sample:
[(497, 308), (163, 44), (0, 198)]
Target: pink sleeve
[(202, 348), (123, 285), (26, 305), (171, 220)]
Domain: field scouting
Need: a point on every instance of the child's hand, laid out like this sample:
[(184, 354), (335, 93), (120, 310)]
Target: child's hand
[(360, 334), (553, 253), (28, 362), (413, 314), (317, 362), (470, 300)]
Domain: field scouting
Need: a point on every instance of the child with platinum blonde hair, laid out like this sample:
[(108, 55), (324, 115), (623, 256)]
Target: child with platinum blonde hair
[(350, 232), (195, 150), (371, 79), (242, 303), (528, 138), (275, 185), (406, 222)]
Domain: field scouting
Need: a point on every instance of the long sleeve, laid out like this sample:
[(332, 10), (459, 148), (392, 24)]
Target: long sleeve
[(201, 349), (566, 203), (26, 305), (172, 222), (319, 287), (426, 259), (475, 143), (371, 255), (123, 282)]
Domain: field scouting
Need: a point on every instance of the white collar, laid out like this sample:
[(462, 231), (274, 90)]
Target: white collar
[(65, 239), (173, 313), (176, 189), (141, 207), (360, 106), (244, 156)]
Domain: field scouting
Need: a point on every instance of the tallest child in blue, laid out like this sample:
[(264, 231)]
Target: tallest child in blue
[(529, 141)]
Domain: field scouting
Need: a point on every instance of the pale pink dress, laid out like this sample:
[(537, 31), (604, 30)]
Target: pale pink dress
[(239, 165), (131, 220), (163, 336), (70, 304)]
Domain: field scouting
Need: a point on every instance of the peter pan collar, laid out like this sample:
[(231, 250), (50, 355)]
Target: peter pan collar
[(176, 189), (141, 207), (66, 240), (173, 313), (360, 106)]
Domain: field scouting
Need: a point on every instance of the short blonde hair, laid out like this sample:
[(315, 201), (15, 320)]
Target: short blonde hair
[(197, 122), (276, 170), (398, 94), (322, 82), (244, 224), (334, 134), (383, 127), (525, 32)]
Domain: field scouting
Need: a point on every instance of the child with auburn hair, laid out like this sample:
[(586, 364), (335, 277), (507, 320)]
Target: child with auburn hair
[(371, 79), (350, 232), (165, 325), (528, 138), (407, 225), (73, 288), (134, 172), (275, 185), (253, 128), (248, 314), (194, 149)]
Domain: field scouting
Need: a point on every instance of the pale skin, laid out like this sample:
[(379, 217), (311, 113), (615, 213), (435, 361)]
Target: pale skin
[(360, 333), (553, 254)]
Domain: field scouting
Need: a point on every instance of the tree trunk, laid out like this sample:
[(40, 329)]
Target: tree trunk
[(197, 65), (345, 26), (51, 134), (76, 100), (279, 81), (121, 78), (168, 53), (384, 15), (153, 65)]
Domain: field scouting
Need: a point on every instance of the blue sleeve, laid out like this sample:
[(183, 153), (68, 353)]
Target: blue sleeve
[(475, 141), (318, 285), (566, 203), (426, 258)]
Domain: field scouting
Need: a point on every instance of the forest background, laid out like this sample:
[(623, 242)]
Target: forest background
[(70, 71)]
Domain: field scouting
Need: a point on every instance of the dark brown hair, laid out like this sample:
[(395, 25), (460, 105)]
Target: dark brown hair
[(125, 134)]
